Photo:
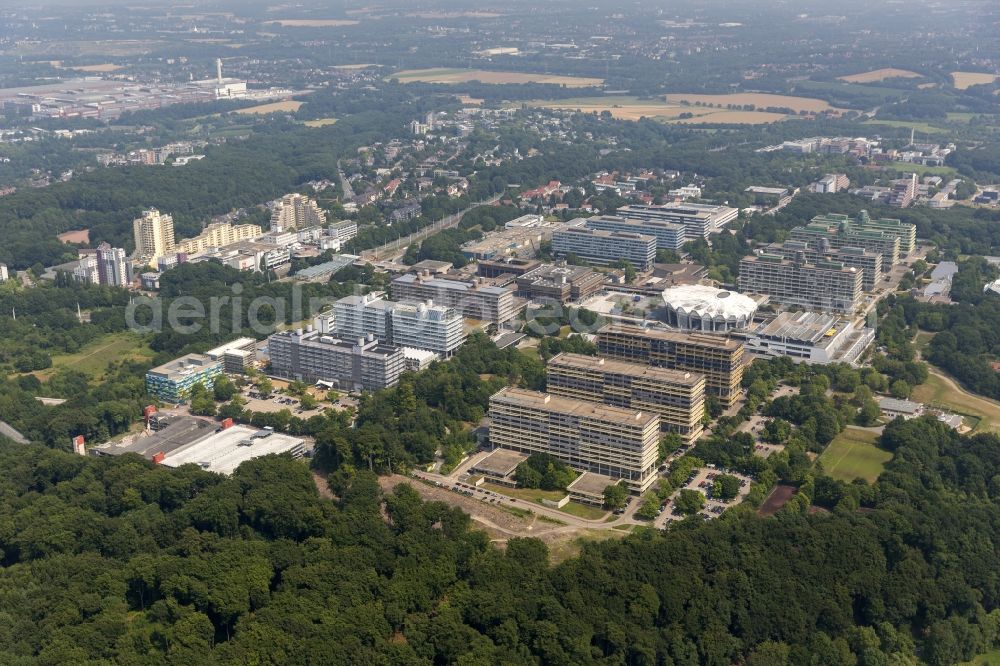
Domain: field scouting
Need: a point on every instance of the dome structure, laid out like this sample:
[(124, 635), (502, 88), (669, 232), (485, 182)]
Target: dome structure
[(702, 308)]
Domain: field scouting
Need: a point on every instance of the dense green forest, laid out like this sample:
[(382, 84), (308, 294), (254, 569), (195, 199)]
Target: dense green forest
[(118, 561)]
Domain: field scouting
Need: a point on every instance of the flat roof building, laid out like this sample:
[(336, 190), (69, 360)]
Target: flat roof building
[(855, 257), (698, 220), (720, 359), (605, 247), (668, 235), (904, 231), (222, 452), (562, 283), (677, 396), (810, 337), (363, 364), (499, 466), (237, 356), (614, 441), (172, 382), (507, 266), (421, 325), (154, 235), (474, 299), (826, 286), (219, 234), (588, 488)]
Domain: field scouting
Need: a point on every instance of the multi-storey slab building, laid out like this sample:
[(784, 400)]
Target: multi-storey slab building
[(617, 442), (855, 257), (172, 382), (905, 232), (825, 286), (357, 316), (219, 234), (474, 300), (154, 235), (698, 220), (810, 337), (677, 396), (364, 364), (605, 247), (295, 211), (561, 283), (668, 235), (720, 359)]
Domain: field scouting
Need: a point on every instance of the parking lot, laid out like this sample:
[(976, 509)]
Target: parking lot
[(702, 481)]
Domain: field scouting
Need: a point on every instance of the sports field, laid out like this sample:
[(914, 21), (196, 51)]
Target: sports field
[(94, 358), (759, 100), (963, 80), (853, 454), (286, 106), (880, 75), (444, 75)]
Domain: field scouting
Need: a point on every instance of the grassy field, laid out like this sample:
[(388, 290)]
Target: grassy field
[(286, 106), (982, 414), (320, 122), (918, 126), (535, 496), (880, 75), (760, 100), (733, 117), (963, 80), (989, 659), (444, 75), (853, 454), (921, 170), (94, 359)]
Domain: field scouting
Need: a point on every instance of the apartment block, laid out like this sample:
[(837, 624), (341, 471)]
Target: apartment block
[(677, 396), (668, 235), (473, 299), (219, 234), (617, 442), (855, 257), (561, 283), (720, 359), (154, 235), (295, 211), (698, 220), (605, 247), (172, 382), (364, 364), (113, 267), (826, 286)]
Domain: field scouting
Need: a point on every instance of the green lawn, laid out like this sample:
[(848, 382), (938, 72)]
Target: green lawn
[(989, 659), (584, 511), (981, 413), (94, 358), (853, 454), (922, 170), (919, 126), (535, 496)]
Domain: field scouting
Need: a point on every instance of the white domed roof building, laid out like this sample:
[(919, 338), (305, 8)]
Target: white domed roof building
[(701, 308)]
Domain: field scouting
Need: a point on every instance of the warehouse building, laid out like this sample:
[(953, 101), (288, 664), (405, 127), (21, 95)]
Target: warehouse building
[(720, 359), (677, 396), (614, 441)]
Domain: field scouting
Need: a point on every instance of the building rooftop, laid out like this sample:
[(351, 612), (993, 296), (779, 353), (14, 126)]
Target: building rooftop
[(339, 261), (626, 368), (226, 450), (432, 266), (591, 483), (500, 463), (900, 406), (703, 339), (185, 365), (577, 408), (174, 432), (814, 328), (233, 345), (709, 302)]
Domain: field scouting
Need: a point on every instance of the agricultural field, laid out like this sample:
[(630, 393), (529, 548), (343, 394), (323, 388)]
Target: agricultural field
[(908, 124), (91, 69), (963, 80), (759, 100), (853, 454), (443, 75), (285, 106), (633, 108), (313, 23), (94, 358), (880, 75)]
